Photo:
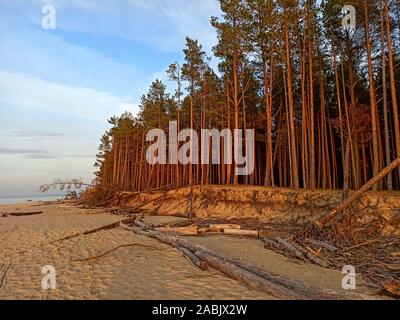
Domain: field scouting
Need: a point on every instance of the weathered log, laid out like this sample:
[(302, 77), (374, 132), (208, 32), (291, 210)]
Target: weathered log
[(203, 230), (202, 265), (310, 255), (300, 287), (219, 263), (320, 223), (241, 232), (182, 231), (20, 214), (221, 227), (321, 244), (253, 276), (252, 280), (168, 239), (285, 245), (295, 250), (140, 224)]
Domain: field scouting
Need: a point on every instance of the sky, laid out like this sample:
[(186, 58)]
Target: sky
[(59, 87)]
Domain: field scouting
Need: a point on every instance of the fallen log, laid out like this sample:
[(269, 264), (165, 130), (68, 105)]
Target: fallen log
[(167, 239), (241, 232), (323, 221), (285, 245), (218, 263), (253, 276), (252, 280), (221, 227), (141, 224), (202, 265), (20, 214), (295, 250), (311, 256), (182, 231), (300, 287)]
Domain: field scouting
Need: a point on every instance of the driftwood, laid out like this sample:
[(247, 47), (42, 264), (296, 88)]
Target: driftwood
[(222, 227), (167, 239), (139, 224), (250, 279), (183, 231), (204, 254), (241, 232), (311, 255), (298, 286), (282, 244), (247, 273), (320, 223), (20, 214), (203, 265), (294, 249)]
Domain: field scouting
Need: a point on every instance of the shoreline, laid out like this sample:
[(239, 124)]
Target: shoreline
[(29, 199)]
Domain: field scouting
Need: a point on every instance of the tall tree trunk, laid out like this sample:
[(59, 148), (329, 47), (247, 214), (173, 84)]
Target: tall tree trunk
[(295, 170), (374, 113)]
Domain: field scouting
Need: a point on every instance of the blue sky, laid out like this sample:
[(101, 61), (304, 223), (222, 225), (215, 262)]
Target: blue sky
[(58, 87)]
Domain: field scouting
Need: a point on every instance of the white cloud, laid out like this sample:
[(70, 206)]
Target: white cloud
[(49, 130), (162, 24), (51, 58), (26, 92)]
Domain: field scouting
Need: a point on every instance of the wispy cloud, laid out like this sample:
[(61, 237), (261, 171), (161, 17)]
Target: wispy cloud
[(33, 134), (42, 154), (24, 91), (27, 153), (20, 151), (162, 24)]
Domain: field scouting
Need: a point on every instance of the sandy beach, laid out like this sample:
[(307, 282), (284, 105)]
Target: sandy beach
[(147, 269)]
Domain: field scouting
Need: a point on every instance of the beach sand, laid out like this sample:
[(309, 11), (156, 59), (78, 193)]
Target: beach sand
[(146, 270)]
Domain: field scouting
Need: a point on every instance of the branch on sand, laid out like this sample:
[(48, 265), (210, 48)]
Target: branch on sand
[(115, 249), (20, 214)]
